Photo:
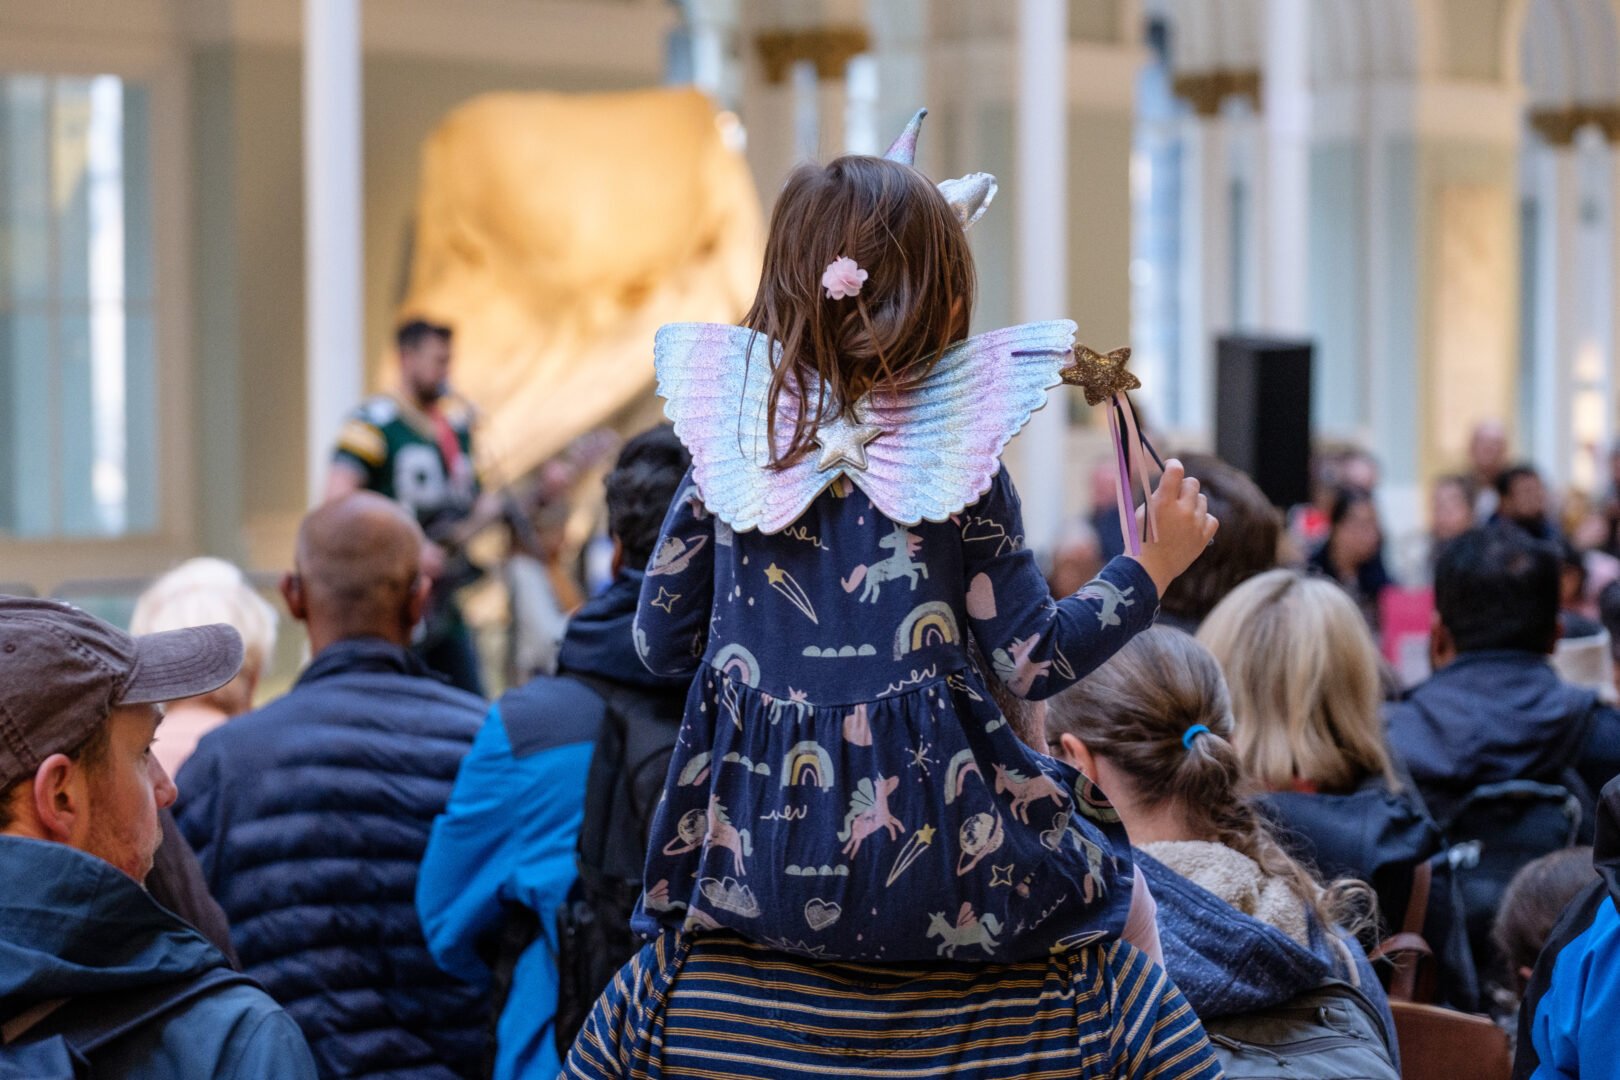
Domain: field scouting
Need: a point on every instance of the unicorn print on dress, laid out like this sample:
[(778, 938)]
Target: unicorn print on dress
[(904, 543), (869, 812), (820, 685), (1113, 598), (1026, 790), (969, 929)]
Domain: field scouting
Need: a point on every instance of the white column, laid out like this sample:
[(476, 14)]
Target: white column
[(832, 101), (1042, 228), (334, 359), (1284, 212), (1206, 260), (1553, 441)]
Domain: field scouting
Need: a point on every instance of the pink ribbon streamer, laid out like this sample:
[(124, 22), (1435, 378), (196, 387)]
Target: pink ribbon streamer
[(1131, 470)]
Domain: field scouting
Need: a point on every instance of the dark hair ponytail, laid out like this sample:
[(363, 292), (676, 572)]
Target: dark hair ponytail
[(1159, 711)]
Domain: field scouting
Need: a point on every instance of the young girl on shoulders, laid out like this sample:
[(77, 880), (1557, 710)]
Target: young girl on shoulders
[(844, 785)]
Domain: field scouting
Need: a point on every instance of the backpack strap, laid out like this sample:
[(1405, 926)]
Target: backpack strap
[(1407, 948), (90, 1022)]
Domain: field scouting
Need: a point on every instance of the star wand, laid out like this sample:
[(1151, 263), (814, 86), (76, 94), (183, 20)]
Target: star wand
[(1104, 379)]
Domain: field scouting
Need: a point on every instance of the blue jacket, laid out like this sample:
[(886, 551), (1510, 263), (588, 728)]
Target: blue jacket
[(533, 752), (309, 817), (1502, 715), (1228, 963), (1567, 1024), (73, 926)]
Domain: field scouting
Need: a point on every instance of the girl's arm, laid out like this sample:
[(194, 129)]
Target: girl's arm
[(1039, 646), (672, 617)]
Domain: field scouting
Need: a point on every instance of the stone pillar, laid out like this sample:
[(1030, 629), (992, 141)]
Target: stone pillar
[(334, 357), (1041, 183), (1206, 254), (1284, 212), (1552, 436)]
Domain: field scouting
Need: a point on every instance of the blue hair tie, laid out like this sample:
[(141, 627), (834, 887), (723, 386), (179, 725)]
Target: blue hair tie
[(1192, 733)]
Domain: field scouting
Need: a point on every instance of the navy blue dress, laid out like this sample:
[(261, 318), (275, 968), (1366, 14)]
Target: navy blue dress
[(844, 785)]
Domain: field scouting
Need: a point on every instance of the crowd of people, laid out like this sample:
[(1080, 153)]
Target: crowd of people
[(869, 791)]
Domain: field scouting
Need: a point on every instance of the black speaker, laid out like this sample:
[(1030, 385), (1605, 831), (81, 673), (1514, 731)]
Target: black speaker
[(1263, 413)]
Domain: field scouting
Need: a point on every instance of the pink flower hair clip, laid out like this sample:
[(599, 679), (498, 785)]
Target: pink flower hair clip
[(842, 278)]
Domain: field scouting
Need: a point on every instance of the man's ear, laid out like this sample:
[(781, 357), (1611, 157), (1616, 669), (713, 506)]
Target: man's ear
[(292, 592), (58, 800), (419, 600)]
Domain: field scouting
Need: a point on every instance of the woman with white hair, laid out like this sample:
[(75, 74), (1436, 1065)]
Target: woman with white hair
[(196, 593)]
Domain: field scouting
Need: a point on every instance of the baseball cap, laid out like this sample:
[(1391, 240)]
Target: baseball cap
[(62, 671)]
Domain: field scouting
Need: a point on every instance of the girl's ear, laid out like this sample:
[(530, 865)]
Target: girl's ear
[(1078, 754)]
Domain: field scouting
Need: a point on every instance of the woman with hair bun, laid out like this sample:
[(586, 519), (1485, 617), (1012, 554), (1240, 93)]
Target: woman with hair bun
[(1245, 928), (1303, 675)]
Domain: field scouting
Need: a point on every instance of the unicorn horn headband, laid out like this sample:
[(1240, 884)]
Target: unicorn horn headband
[(970, 196)]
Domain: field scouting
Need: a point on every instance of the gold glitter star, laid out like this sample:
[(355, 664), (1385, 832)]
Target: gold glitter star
[(1101, 376), (843, 442)]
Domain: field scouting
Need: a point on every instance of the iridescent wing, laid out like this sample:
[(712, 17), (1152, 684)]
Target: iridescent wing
[(942, 439), (715, 380)]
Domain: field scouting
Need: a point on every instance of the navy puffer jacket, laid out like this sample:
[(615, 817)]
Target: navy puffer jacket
[(309, 817)]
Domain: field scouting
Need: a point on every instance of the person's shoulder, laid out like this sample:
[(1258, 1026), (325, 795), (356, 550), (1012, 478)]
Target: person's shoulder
[(378, 410), (550, 711), (260, 1038)]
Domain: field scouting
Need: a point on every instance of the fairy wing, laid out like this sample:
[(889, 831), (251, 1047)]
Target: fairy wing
[(942, 439), (715, 380)]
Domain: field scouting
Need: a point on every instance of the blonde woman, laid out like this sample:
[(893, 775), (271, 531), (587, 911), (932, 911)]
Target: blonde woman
[(196, 593), (1303, 674)]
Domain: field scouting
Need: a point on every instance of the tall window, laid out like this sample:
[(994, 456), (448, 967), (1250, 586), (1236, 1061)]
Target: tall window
[(78, 432)]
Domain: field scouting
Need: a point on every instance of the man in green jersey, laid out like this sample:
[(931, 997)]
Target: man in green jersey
[(414, 445)]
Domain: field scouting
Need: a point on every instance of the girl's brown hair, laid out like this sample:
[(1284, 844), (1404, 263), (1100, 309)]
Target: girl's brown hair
[(917, 300), (1303, 671), (1135, 711)]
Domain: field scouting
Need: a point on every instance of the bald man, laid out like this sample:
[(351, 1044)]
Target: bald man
[(310, 815)]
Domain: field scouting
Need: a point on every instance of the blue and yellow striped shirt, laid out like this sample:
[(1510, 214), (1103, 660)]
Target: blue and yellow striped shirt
[(718, 1007)]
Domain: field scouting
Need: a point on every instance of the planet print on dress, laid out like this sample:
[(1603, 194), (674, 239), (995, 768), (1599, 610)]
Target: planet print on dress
[(933, 623), (968, 930), (674, 555), (807, 763), (980, 837), (905, 544), (869, 813), (1026, 790)]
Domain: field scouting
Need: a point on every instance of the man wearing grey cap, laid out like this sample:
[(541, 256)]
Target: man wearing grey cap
[(93, 972)]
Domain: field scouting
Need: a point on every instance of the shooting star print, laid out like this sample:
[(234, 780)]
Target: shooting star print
[(910, 852), (783, 582)]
